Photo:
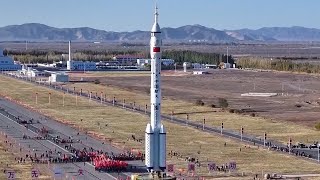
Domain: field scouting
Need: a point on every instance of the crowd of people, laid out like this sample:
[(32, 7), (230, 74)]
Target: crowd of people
[(104, 163)]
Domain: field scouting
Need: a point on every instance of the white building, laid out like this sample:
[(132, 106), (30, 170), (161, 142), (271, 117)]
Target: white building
[(59, 78), (7, 63), (199, 72), (211, 66), (165, 62), (29, 72)]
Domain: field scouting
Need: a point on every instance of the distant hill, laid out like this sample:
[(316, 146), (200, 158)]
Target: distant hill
[(294, 33), (189, 33)]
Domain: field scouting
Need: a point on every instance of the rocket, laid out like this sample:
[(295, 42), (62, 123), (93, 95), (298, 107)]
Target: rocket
[(155, 135)]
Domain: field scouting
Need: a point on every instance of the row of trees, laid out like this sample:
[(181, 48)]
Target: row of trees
[(197, 57), (179, 56), (279, 65)]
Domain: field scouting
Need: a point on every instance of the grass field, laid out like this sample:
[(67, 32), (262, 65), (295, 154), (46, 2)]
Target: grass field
[(118, 125), (276, 130)]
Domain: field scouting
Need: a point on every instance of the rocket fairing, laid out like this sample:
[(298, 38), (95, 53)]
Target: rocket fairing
[(155, 136)]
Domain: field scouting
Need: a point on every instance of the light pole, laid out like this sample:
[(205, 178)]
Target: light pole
[(203, 124), (264, 139), (241, 134), (289, 145), (145, 111), (64, 93), (36, 98), (76, 99), (101, 97), (221, 128), (124, 101), (49, 98), (187, 119)]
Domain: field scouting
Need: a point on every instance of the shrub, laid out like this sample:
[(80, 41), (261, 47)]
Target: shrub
[(232, 110), (223, 103), (298, 105), (199, 102), (96, 81), (213, 105), (253, 114), (317, 126)]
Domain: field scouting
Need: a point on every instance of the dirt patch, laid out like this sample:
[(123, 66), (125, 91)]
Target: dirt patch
[(292, 88)]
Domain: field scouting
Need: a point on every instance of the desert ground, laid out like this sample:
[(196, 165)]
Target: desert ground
[(118, 125), (297, 100)]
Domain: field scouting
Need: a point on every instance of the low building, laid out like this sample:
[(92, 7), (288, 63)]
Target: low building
[(81, 66), (59, 78), (165, 62), (127, 60), (211, 66), (199, 72), (197, 66), (29, 72), (7, 63)]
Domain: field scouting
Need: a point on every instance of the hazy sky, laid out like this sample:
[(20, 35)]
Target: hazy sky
[(124, 15)]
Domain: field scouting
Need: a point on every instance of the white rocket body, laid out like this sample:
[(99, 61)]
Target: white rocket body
[(155, 136)]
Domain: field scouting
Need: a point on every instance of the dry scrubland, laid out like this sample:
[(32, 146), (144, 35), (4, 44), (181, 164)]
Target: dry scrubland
[(276, 130), (118, 125)]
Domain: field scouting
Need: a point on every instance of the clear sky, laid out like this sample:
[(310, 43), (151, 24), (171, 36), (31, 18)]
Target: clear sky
[(129, 15)]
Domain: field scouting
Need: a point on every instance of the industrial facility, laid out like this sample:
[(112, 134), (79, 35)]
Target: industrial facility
[(7, 63), (73, 65)]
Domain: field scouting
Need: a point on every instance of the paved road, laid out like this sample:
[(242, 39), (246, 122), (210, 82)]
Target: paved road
[(311, 154), (9, 126)]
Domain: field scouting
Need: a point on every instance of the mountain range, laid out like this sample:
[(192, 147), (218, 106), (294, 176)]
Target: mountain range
[(189, 33)]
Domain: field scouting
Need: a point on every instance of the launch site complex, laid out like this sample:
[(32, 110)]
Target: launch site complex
[(120, 120)]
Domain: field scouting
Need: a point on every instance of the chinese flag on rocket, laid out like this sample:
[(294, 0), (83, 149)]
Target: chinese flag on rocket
[(156, 49)]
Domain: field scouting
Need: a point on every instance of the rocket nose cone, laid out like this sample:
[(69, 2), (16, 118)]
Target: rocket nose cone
[(155, 28), (149, 128), (163, 129)]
